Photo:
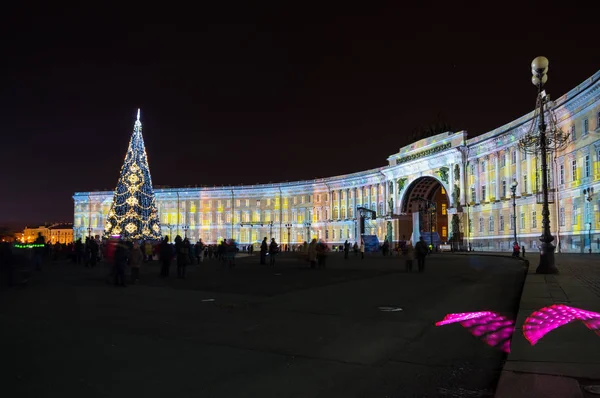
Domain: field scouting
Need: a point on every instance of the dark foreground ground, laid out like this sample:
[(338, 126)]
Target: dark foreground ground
[(288, 332)]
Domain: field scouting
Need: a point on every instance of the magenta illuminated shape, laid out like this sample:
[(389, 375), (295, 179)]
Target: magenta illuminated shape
[(493, 329), (541, 322)]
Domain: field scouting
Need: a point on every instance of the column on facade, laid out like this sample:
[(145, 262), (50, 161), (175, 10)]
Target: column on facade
[(497, 175), (370, 196), (339, 200), (518, 177), (507, 168), (530, 183), (354, 202), (463, 190), (487, 179), (331, 204), (450, 190), (347, 203), (477, 184), (386, 195), (378, 187)]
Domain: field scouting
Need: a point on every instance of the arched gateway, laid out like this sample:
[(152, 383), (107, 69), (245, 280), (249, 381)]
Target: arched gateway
[(425, 206), (472, 178)]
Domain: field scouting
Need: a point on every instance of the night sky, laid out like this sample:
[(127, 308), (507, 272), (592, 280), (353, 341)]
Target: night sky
[(247, 94)]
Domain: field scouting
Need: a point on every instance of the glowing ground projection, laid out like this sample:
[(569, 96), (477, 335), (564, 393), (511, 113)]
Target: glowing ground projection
[(543, 321), (493, 329)]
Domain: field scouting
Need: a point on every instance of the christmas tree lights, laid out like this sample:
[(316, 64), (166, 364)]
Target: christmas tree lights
[(133, 214)]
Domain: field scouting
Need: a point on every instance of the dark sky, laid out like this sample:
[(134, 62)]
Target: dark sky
[(240, 94)]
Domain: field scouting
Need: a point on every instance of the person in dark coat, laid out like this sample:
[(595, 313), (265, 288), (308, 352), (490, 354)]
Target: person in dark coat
[(421, 251), (166, 254), (263, 251), (346, 249), (121, 259), (182, 248), (273, 249)]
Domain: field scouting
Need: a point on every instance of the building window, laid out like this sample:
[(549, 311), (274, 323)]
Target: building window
[(586, 126), (504, 188), (491, 222), (514, 156), (501, 226), (587, 165), (561, 217), (573, 134), (480, 224), (482, 166), (502, 160), (326, 234), (247, 202), (443, 209), (318, 197), (268, 202), (524, 183), (575, 215), (303, 196), (333, 234), (472, 169), (533, 219), (522, 221), (562, 174), (483, 193), (444, 231), (473, 194), (512, 223), (237, 203), (598, 121), (326, 197), (574, 165), (295, 200)]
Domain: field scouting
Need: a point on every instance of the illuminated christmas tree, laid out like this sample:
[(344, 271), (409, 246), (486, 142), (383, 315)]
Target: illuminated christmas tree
[(133, 213)]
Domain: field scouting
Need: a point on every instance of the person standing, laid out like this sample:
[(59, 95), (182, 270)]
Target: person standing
[(322, 250), (273, 248), (38, 251), (421, 249), (166, 254), (263, 251), (312, 253), (121, 258), (346, 249), (409, 256), (523, 250), (136, 257), (182, 254), (362, 250)]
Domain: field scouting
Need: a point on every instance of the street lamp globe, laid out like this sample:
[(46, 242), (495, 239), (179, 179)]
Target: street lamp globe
[(513, 186), (539, 65)]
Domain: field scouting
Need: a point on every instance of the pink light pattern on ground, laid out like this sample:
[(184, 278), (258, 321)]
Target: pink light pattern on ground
[(493, 329), (543, 321)]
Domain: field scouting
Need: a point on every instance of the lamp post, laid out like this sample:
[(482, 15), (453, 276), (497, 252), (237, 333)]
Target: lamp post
[(432, 210), (307, 225), (170, 227), (539, 68), (185, 228), (513, 189), (289, 228), (89, 232), (589, 196)]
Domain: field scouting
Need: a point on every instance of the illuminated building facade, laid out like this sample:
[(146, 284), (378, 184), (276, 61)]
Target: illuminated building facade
[(52, 233), (468, 180)]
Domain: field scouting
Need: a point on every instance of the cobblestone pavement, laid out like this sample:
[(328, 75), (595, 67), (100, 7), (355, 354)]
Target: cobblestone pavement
[(256, 331), (584, 267)]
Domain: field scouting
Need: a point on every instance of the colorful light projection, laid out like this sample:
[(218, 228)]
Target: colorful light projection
[(493, 329), (543, 321)]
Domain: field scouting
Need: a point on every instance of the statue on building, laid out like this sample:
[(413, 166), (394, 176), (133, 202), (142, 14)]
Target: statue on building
[(443, 173), (456, 172), (401, 184), (456, 195)]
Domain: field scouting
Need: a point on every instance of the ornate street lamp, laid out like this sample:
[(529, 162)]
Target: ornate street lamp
[(185, 228), (541, 139), (513, 189), (589, 196), (307, 225), (289, 228)]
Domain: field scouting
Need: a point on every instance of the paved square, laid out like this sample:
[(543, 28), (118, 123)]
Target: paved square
[(254, 331)]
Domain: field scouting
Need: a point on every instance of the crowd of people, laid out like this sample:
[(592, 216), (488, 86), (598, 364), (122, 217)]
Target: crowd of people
[(121, 254)]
